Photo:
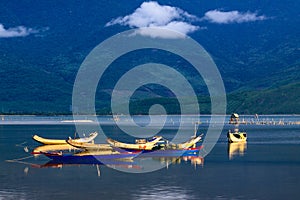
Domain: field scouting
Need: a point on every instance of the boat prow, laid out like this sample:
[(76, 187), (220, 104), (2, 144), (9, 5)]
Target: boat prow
[(48, 141), (42, 140), (191, 142)]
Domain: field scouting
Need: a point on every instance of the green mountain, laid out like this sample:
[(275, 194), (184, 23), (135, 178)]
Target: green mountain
[(259, 61), (278, 100)]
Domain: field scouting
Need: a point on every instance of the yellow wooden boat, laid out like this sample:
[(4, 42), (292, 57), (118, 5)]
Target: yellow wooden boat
[(42, 140), (191, 142), (53, 147), (89, 146), (236, 136), (141, 144)]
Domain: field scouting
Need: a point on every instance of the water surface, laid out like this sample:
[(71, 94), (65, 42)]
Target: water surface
[(267, 167)]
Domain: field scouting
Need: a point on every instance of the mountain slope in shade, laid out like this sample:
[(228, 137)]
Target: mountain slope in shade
[(279, 100), (257, 60)]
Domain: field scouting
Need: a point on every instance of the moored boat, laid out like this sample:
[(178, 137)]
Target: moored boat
[(180, 146), (191, 142), (42, 140), (158, 144), (53, 147), (236, 136), (141, 144), (88, 146), (155, 144)]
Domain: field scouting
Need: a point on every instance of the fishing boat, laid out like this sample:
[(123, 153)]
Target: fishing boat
[(140, 144), (158, 143), (53, 147), (170, 150), (89, 146), (42, 140), (180, 146), (236, 136), (191, 142)]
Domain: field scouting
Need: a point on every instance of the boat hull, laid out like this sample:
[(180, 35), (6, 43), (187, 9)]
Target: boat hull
[(172, 152), (87, 159)]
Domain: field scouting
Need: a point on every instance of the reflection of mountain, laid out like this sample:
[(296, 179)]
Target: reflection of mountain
[(236, 149), (251, 56)]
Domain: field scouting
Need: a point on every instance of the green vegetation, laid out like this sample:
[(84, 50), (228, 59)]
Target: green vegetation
[(280, 100), (258, 61)]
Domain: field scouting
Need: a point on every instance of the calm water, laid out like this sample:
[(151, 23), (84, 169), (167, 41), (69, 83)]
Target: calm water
[(267, 167)]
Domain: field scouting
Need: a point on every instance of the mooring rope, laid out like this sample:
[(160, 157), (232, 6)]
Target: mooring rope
[(19, 159)]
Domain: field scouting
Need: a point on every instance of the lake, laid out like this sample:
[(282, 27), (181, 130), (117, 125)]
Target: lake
[(266, 167)]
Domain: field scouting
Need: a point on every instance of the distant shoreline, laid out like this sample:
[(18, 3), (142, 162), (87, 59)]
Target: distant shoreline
[(169, 120), (58, 115)]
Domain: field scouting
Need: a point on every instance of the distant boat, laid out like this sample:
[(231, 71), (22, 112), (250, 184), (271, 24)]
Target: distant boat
[(234, 119), (236, 136), (42, 140)]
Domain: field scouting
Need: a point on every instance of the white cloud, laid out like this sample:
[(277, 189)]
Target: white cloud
[(222, 17), (151, 14), (19, 31)]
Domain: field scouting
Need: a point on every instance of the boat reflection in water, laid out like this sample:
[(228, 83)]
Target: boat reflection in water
[(236, 149), (66, 155), (195, 160), (136, 163)]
